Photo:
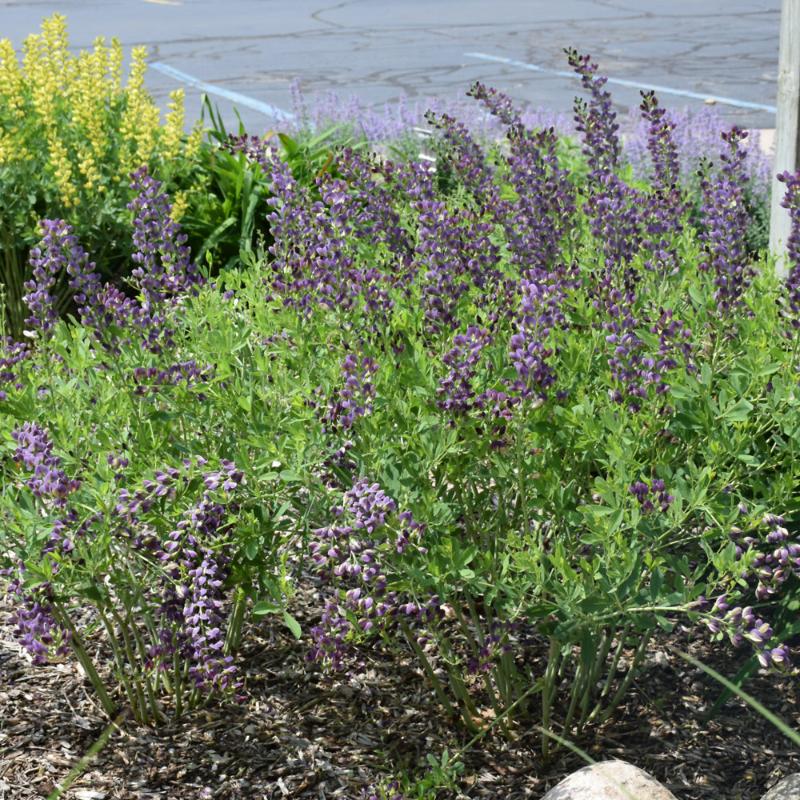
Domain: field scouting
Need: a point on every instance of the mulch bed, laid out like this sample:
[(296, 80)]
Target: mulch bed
[(301, 734)]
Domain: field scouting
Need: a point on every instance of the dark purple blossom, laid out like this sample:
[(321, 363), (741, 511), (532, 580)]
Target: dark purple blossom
[(667, 204), (596, 119), (35, 453), (49, 261), (725, 221), (456, 392), (529, 349), (190, 373), (35, 625), (349, 554), (615, 212), (11, 355), (461, 156), (536, 221), (165, 269), (354, 398), (498, 104), (791, 201), (770, 556), (193, 565), (651, 495)]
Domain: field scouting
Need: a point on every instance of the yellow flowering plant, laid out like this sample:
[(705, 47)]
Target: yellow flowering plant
[(71, 133)]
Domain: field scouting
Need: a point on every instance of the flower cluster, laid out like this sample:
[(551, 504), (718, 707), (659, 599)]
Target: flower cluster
[(193, 565), (47, 261), (498, 104), (372, 207), (538, 218), (148, 379), (545, 204), (461, 155), (634, 367), (35, 452), (311, 259), (350, 554), (791, 201), (769, 560), (539, 312), (667, 206), (651, 495), (11, 355), (355, 397), (165, 269), (35, 626), (616, 213), (596, 119), (725, 217), (454, 250), (455, 390), (165, 273), (489, 647)]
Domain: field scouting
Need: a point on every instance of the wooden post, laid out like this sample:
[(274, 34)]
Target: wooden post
[(787, 132)]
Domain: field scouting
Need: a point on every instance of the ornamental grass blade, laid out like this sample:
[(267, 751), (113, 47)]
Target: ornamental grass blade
[(788, 732)]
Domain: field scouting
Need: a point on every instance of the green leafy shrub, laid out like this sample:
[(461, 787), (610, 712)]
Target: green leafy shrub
[(503, 418)]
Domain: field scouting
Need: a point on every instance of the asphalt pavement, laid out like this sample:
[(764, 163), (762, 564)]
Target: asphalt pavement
[(247, 52)]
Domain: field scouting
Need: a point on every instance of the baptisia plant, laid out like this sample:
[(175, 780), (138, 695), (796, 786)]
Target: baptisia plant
[(131, 539), (502, 414), (546, 393)]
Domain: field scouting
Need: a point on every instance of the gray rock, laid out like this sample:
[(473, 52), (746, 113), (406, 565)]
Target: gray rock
[(609, 780), (787, 789)]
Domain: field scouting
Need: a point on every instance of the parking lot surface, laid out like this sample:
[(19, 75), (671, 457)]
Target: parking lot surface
[(384, 50)]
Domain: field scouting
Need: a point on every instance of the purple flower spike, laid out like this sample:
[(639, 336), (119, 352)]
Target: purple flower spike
[(56, 254), (726, 221), (595, 119), (165, 269), (455, 391), (791, 201), (35, 452)]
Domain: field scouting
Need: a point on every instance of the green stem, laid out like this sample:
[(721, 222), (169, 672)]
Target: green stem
[(576, 691), (88, 757), (122, 657), (549, 690), (626, 681), (493, 695), (150, 688), (428, 669), (85, 661), (234, 633), (599, 661)]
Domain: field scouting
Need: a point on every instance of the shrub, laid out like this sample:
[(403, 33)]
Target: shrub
[(509, 415), (70, 136)]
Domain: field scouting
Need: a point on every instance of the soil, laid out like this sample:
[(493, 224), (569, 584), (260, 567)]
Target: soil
[(302, 734)]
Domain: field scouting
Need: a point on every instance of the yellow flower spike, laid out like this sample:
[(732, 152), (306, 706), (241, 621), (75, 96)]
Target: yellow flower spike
[(62, 171), (43, 93), (136, 122), (180, 203), (60, 62), (172, 136), (115, 57), (194, 141), (87, 94), (12, 82)]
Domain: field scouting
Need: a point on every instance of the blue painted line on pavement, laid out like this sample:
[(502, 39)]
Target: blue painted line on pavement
[(728, 101), (234, 97)]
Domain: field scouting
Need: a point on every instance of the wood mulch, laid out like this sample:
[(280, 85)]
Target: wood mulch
[(301, 734)]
